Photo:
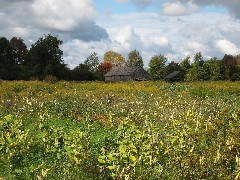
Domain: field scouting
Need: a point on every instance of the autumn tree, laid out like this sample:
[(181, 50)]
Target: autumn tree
[(157, 67), (114, 58), (134, 59), (105, 67)]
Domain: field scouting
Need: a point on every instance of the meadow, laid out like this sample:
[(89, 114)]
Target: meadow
[(133, 130)]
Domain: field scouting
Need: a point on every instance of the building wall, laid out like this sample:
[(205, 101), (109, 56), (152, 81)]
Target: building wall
[(108, 78), (139, 74), (119, 78)]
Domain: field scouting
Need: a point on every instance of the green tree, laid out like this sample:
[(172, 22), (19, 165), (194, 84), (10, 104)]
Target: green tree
[(157, 67), (238, 60), (7, 62), (45, 57), (20, 55), (20, 50), (114, 58), (185, 65), (197, 71), (92, 62), (198, 60), (230, 67), (173, 66), (82, 73), (134, 59), (213, 69)]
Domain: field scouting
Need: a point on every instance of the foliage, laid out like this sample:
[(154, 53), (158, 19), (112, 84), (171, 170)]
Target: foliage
[(7, 61), (50, 79), (136, 130), (82, 72), (214, 69), (230, 67), (105, 67), (20, 50), (185, 64), (45, 57), (92, 62), (198, 60), (135, 154), (198, 71), (157, 67), (114, 58), (134, 59), (170, 68)]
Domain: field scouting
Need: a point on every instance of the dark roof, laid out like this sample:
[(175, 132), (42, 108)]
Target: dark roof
[(121, 71), (172, 74)]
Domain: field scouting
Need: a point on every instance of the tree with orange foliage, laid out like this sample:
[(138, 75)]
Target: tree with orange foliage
[(105, 67)]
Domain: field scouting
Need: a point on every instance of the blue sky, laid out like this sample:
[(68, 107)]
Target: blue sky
[(116, 7), (175, 28)]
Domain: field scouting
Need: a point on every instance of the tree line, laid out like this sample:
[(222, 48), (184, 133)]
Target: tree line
[(44, 59)]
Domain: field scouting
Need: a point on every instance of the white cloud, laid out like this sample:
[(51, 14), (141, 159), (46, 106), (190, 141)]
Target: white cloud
[(122, 1), (83, 31), (174, 9), (156, 45), (76, 51), (192, 7), (227, 47), (179, 9), (127, 39), (64, 15), (69, 19), (232, 5), (122, 40), (159, 41), (197, 47), (173, 36)]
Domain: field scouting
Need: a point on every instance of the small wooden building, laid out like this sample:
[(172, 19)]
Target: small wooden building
[(126, 73), (174, 76)]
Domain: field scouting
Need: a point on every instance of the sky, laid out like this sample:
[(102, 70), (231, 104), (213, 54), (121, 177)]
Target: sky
[(175, 28)]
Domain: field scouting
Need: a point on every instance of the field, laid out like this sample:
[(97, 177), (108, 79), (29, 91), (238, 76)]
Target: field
[(135, 130)]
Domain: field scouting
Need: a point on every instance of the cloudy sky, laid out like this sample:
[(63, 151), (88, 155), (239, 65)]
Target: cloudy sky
[(175, 28)]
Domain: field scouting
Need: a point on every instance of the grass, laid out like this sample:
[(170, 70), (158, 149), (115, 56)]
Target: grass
[(135, 130)]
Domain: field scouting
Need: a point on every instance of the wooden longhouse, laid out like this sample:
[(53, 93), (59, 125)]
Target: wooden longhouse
[(126, 73), (174, 76)]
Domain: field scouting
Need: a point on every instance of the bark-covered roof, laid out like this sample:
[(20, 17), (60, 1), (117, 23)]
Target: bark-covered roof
[(121, 71), (173, 74)]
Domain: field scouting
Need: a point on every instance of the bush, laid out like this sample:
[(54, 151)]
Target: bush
[(50, 79)]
